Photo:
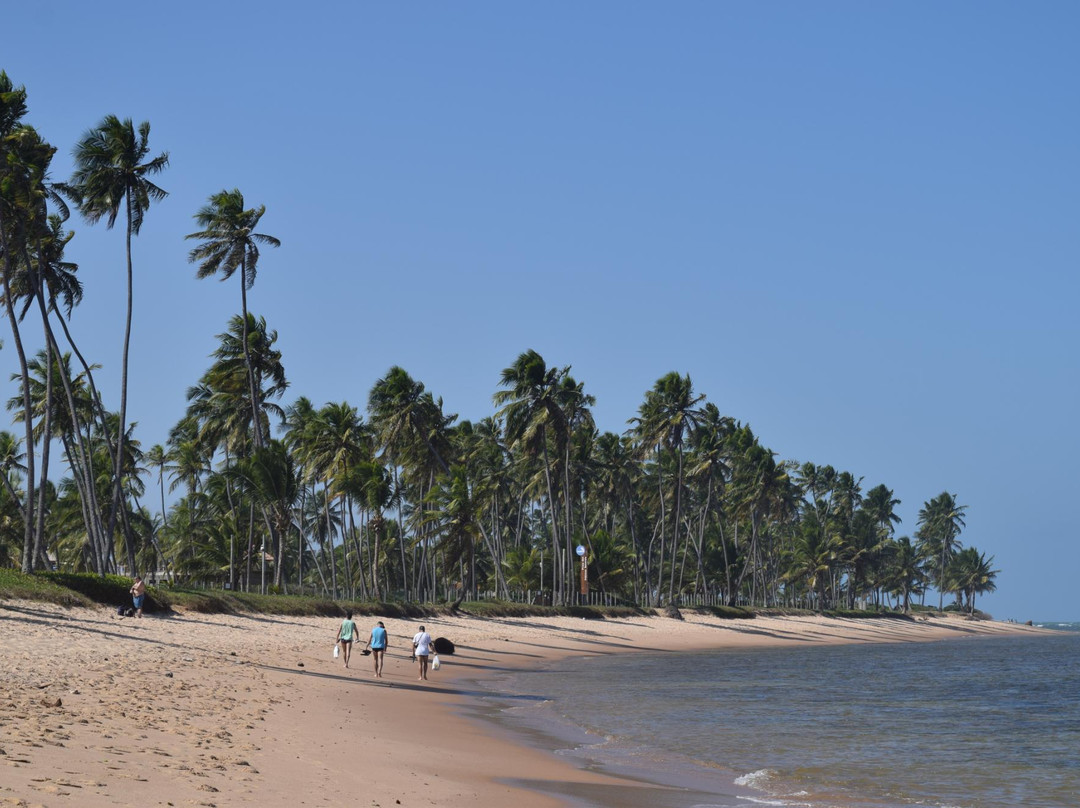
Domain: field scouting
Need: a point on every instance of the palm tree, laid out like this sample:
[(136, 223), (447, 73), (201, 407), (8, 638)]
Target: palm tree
[(111, 170), (881, 505), (940, 522), (456, 514), (404, 417), (668, 414), (813, 555), (969, 573), (12, 110), (339, 440), (905, 571), (12, 459), (231, 243), (533, 415), (271, 478), (709, 467)]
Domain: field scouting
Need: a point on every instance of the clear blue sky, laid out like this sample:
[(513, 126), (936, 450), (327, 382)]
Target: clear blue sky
[(855, 225)]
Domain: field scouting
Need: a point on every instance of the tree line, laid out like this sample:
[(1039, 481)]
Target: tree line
[(402, 500)]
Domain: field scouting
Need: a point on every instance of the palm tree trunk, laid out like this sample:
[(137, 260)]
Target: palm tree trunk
[(256, 420), (250, 546), (675, 526), (119, 459), (46, 442), (84, 482), (97, 528), (330, 542), (28, 412), (84, 505), (555, 588), (401, 535), (663, 530)]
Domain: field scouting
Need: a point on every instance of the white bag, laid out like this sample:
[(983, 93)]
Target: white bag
[(335, 652), (435, 664)]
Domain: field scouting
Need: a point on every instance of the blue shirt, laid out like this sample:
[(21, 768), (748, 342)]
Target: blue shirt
[(378, 638)]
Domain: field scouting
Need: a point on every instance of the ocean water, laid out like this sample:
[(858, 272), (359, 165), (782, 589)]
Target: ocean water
[(970, 723)]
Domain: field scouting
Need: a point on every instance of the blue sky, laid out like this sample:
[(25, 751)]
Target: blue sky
[(854, 225)]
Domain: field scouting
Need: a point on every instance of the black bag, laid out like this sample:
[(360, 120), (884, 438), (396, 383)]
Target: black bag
[(122, 611)]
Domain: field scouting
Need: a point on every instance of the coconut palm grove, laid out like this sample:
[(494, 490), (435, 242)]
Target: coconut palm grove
[(393, 498)]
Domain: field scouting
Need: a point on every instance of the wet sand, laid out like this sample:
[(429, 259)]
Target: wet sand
[(227, 710)]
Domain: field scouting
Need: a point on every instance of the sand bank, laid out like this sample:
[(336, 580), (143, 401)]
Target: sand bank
[(224, 710)]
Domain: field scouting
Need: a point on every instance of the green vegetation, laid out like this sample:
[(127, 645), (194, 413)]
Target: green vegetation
[(15, 585), (409, 505)]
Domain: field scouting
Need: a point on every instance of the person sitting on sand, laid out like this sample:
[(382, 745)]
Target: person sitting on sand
[(138, 594), (377, 642), (345, 637), (422, 649)]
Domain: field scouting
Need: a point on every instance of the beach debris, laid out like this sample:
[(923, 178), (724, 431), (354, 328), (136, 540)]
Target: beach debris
[(168, 674), (52, 703), (672, 611), (299, 664), (443, 646)]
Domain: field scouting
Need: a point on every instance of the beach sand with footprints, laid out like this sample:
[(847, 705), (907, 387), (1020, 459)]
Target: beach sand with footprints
[(225, 710)]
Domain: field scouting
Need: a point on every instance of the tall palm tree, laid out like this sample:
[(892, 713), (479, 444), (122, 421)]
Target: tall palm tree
[(534, 416), (881, 505), (905, 571), (969, 573), (338, 440), (709, 467), (270, 477), (405, 416), (112, 170), (231, 243), (12, 110), (813, 555), (456, 514), (670, 411), (940, 522)]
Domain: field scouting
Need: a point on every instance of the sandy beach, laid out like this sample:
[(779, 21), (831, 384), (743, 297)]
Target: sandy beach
[(223, 710)]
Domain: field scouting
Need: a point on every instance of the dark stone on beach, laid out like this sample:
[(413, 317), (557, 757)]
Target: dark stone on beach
[(299, 664), (47, 703), (672, 611), (169, 675), (443, 646)]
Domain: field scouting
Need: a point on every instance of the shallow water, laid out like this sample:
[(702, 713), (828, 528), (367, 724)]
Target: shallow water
[(972, 723)]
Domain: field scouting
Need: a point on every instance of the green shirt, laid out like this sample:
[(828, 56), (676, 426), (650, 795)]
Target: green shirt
[(347, 629)]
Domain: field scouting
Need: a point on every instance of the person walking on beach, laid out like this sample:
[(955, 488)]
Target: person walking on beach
[(345, 636), (421, 650), (138, 594), (377, 642)]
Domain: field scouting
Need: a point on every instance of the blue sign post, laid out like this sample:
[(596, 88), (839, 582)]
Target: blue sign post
[(584, 570)]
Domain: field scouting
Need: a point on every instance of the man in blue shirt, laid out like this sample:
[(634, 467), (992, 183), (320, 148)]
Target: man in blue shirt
[(378, 643)]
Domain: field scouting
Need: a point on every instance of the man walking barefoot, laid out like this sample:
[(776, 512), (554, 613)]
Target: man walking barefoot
[(378, 643), (345, 636), (422, 648)]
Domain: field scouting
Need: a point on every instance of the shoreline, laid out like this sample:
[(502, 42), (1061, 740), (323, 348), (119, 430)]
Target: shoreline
[(209, 710)]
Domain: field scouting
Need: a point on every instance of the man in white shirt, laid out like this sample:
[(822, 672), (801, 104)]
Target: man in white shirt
[(422, 648)]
